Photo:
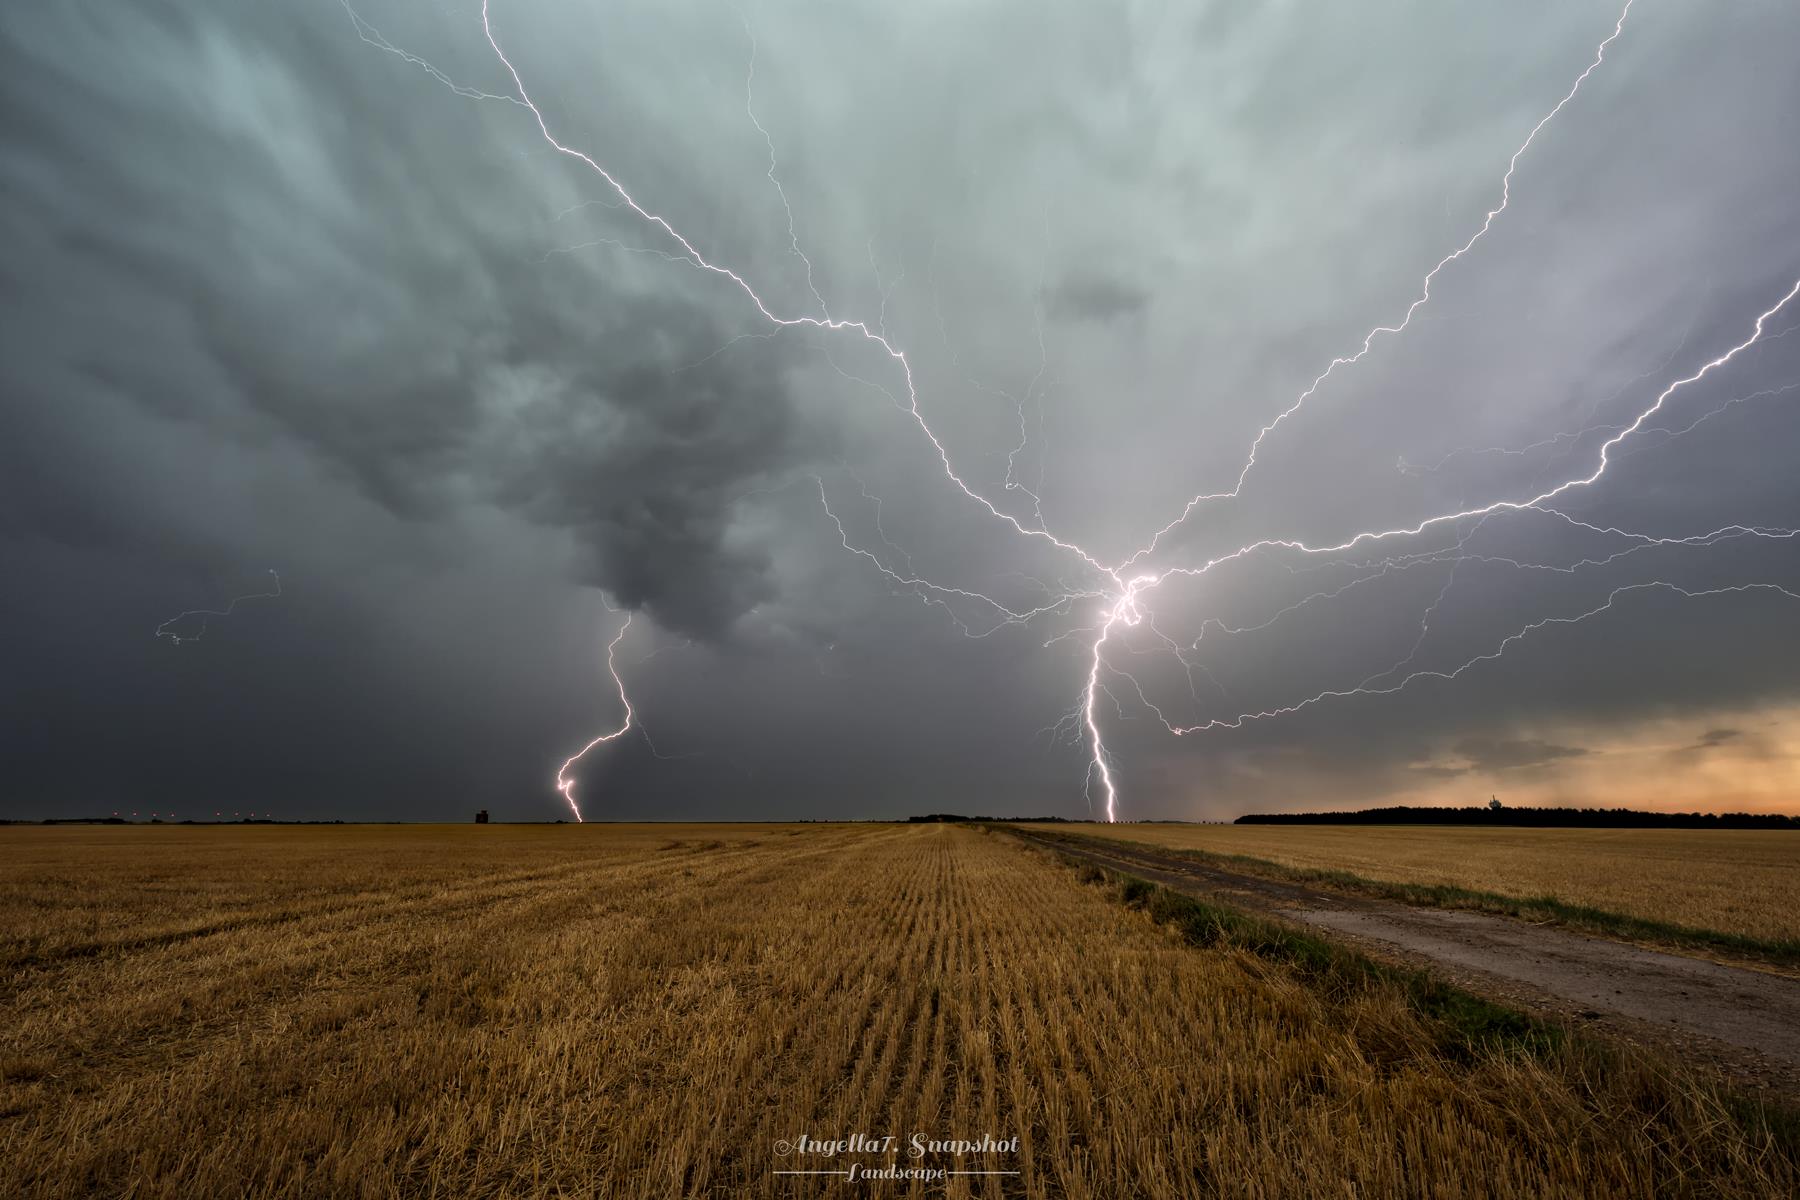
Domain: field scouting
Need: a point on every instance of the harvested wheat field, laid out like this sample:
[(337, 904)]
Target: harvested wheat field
[(1737, 881), (685, 1011)]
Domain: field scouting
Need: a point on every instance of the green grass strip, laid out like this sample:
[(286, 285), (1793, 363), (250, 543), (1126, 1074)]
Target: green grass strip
[(1467, 1025), (1782, 951), (1468, 1022)]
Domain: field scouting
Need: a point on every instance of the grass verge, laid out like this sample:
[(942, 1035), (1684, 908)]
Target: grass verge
[(1467, 1021), (1782, 952), (1468, 1026)]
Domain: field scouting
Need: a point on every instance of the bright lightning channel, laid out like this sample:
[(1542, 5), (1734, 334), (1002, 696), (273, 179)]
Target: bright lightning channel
[(565, 783), (1399, 327), (1124, 595)]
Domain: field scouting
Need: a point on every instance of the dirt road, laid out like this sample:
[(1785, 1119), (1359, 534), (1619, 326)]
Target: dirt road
[(1745, 1021)]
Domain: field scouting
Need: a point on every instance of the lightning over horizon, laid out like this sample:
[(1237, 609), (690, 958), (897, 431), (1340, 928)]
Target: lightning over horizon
[(789, 504), (566, 783), (1123, 589), (1137, 412)]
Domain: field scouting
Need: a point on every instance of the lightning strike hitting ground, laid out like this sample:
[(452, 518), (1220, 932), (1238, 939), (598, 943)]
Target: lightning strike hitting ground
[(1123, 590), (565, 783), (207, 614)]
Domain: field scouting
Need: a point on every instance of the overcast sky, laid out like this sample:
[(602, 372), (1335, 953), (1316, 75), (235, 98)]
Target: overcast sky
[(290, 287)]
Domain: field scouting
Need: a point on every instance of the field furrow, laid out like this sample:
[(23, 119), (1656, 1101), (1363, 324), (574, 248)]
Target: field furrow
[(651, 1012)]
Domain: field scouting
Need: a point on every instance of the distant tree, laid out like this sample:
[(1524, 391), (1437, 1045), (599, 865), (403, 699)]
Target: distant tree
[(1495, 813)]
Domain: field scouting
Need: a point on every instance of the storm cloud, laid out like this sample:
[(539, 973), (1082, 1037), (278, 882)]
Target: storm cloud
[(279, 295)]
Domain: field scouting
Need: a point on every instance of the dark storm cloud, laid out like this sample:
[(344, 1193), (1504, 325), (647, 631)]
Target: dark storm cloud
[(278, 297), (1095, 298), (1503, 754), (625, 431), (361, 296), (1750, 747), (1717, 737)]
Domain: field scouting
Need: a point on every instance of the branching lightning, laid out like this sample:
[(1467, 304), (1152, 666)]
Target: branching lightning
[(1118, 595), (565, 783), (207, 614), (1365, 689), (1399, 327), (788, 208)]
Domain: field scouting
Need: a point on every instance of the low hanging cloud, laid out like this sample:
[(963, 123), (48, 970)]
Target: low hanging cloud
[(1096, 298), (393, 320), (1717, 737), (1487, 755)]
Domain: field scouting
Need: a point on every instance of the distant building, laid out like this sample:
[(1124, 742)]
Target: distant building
[(481, 817)]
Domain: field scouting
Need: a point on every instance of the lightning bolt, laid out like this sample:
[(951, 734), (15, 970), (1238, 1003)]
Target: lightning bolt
[(1555, 439), (1399, 327), (565, 783), (1499, 506), (1124, 589), (1364, 689), (372, 36), (793, 236), (940, 594), (207, 614), (1574, 436), (861, 328)]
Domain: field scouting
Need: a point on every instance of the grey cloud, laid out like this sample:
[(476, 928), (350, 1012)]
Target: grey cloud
[(1096, 298), (1436, 770), (274, 297), (1481, 755), (1739, 744), (383, 318), (1503, 754)]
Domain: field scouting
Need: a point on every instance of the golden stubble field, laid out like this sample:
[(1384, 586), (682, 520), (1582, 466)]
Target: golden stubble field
[(1743, 881), (659, 1011)]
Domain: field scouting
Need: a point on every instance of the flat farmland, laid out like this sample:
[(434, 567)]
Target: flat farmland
[(1744, 882), (688, 1010)]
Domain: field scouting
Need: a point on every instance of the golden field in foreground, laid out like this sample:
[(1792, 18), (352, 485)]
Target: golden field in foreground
[(1742, 881), (662, 1011)]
